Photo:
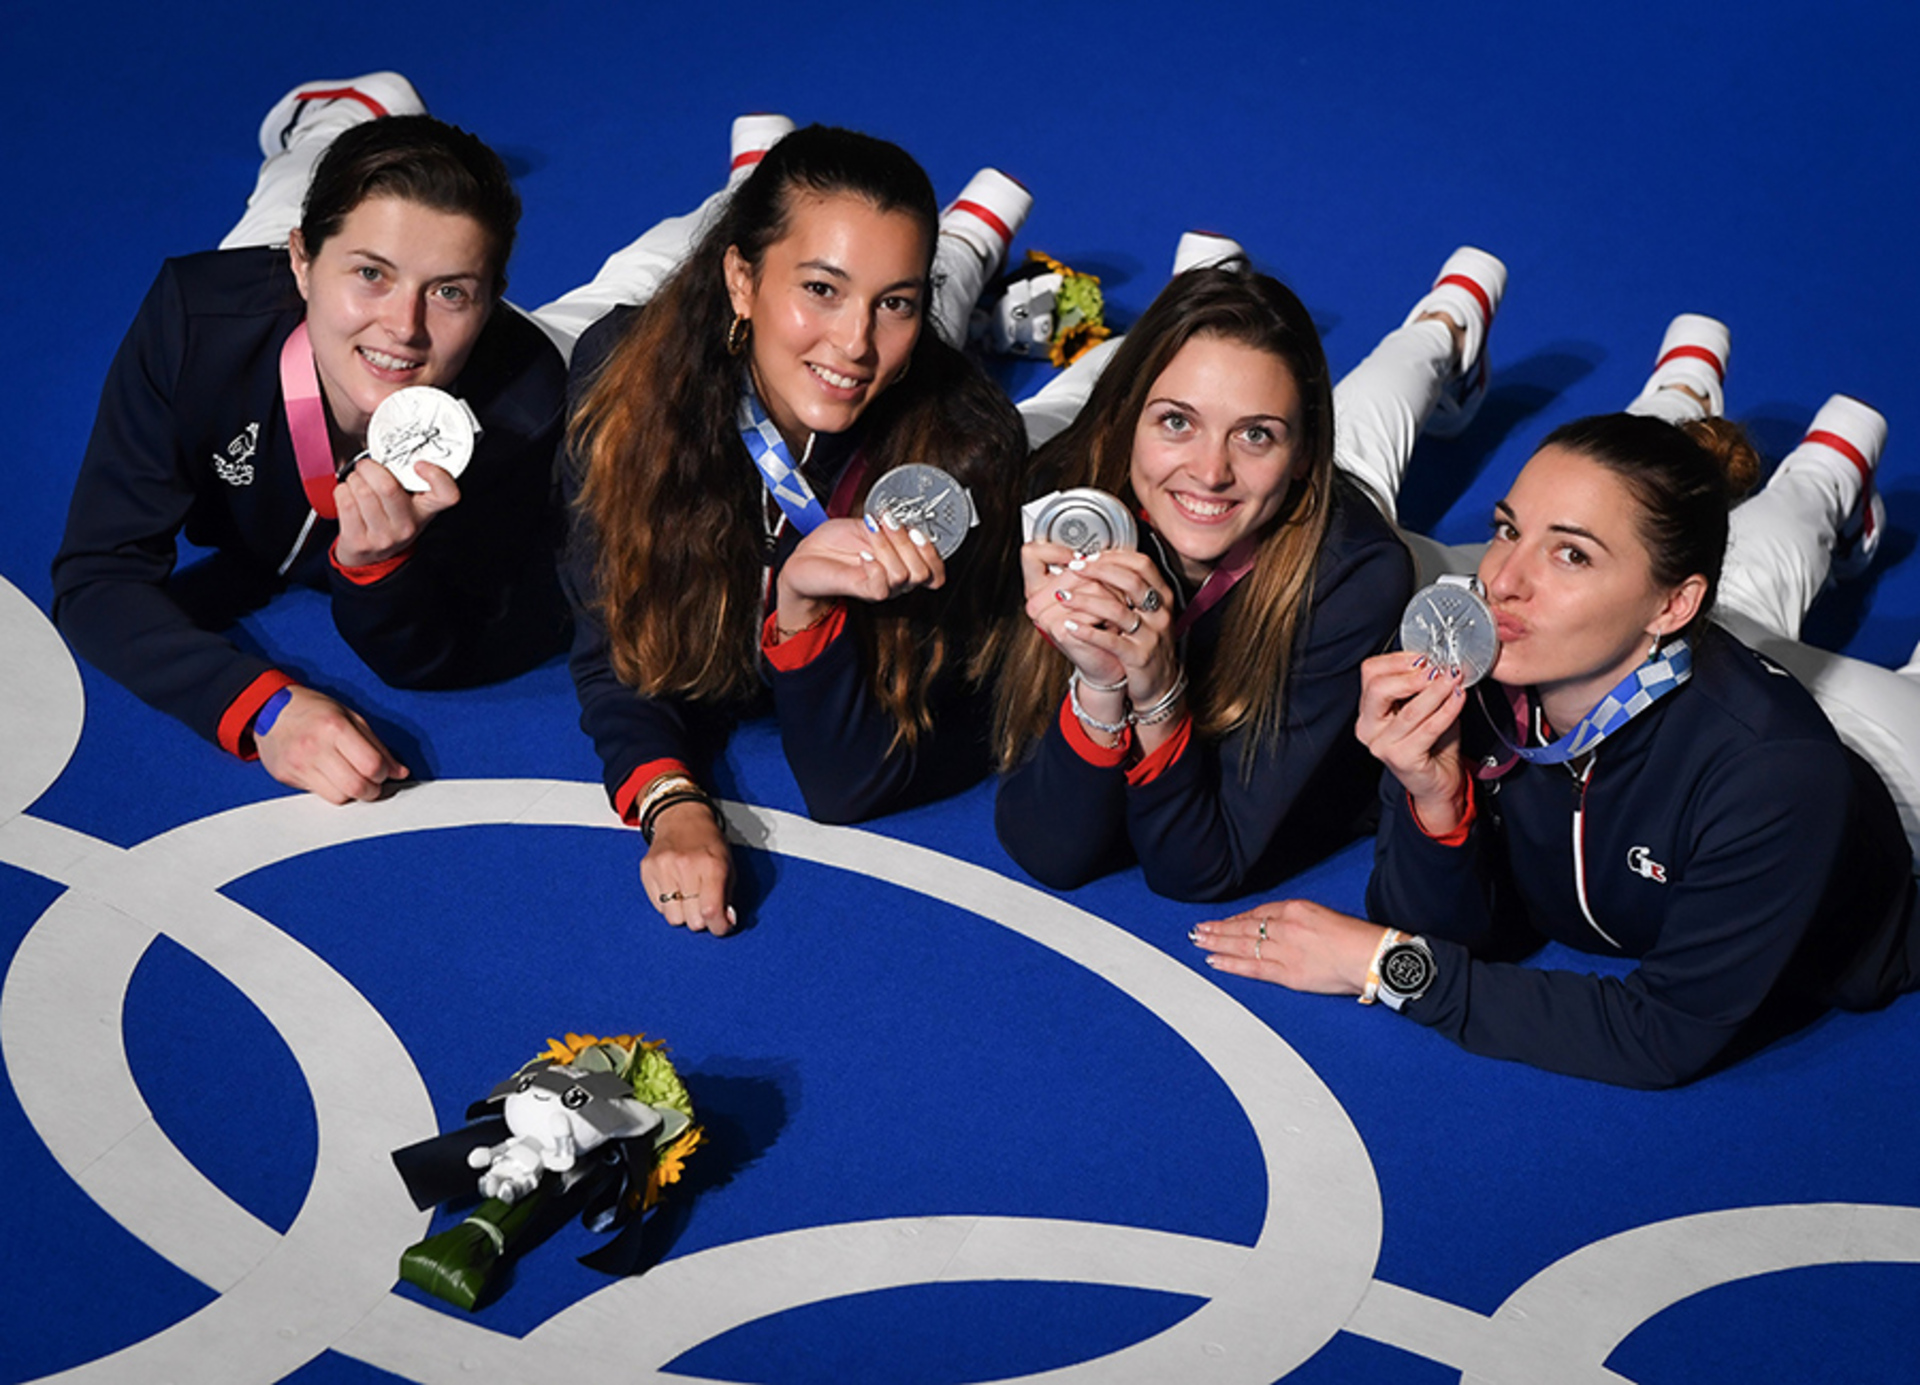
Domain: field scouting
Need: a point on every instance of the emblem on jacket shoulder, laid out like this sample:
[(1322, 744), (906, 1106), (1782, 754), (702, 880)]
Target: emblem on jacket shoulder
[(235, 465), (1640, 860)]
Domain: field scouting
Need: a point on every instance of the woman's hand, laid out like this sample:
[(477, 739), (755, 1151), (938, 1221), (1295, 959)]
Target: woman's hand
[(1410, 721), (317, 745), (379, 517), (1110, 614), (1294, 943), (688, 871), (846, 560)]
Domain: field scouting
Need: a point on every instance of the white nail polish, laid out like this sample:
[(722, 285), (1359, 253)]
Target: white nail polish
[(919, 539)]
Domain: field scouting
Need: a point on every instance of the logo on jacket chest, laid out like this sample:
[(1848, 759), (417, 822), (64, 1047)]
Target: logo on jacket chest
[(235, 465), (1640, 861)]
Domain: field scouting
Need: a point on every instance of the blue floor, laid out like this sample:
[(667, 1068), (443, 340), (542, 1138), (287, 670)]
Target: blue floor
[(885, 1054)]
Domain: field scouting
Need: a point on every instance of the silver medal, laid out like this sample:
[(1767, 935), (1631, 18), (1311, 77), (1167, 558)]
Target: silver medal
[(1451, 623), (421, 424), (1083, 519), (925, 498)]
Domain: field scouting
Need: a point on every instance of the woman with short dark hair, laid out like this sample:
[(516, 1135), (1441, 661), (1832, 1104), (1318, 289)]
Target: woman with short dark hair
[(237, 412)]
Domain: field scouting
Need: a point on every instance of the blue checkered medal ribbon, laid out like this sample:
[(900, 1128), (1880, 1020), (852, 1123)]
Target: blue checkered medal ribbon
[(770, 453), (1639, 690)]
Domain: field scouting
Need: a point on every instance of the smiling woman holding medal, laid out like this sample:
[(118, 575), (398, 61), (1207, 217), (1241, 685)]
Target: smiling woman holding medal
[(301, 400), (1629, 780), (1187, 703), (745, 529)]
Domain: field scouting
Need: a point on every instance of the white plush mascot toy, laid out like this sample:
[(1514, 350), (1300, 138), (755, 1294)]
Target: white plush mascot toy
[(557, 1113)]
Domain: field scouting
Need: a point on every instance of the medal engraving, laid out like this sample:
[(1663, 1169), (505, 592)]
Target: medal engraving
[(1083, 519), (421, 424), (1452, 625), (926, 498)]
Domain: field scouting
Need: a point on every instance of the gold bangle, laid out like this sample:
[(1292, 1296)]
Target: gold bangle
[(1387, 940)]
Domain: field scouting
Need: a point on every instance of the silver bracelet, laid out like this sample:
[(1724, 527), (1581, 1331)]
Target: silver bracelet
[(1073, 699), (1099, 687), (1163, 709)]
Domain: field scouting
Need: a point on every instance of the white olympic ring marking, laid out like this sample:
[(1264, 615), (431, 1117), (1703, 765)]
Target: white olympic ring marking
[(325, 1283)]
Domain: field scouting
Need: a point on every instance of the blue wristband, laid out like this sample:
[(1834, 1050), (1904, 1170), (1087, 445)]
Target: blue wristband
[(270, 711)]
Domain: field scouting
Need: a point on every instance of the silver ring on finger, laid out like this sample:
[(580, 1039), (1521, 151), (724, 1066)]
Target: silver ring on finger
[(1256, 950), (1134, 628), (1263, 930), (1151, 601)]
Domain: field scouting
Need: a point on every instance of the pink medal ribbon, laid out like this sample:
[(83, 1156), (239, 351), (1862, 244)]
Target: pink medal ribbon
[(1234, 564), (307, 422)]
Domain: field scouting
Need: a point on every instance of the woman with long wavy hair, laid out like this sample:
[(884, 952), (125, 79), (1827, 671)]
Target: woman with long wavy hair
[(1188, 704), (724, 439)]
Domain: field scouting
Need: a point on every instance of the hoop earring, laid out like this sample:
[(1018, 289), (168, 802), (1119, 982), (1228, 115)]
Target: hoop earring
[(738, 334)]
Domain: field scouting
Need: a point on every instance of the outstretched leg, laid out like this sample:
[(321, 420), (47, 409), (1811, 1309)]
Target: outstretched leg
[(1784, 537), (976, 232), (632, 274), (296, 132)]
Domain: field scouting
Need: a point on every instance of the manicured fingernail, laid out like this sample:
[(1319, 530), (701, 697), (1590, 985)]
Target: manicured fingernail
[(891, 522), (872, 528), (1073, 626), (1456, 671), (732, 917), (1059, 595), (1077, 565), (1193, 935), (1213, 959), (865, 556), (1420, 662), (1433, 673), (919, 539)]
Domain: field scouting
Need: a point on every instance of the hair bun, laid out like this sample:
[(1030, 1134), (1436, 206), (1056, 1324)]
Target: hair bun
[(1727, 443)]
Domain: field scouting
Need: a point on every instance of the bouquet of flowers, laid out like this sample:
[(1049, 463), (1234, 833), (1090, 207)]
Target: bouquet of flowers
[(602, 1125)]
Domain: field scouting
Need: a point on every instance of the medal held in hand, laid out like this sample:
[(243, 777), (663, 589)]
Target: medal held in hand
[(421, 424), (1083, 519), (1451, 623), (925, 498)]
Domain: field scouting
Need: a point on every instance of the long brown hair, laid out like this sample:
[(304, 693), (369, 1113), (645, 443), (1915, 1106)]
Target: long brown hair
[(673, 503), (1249, 677)]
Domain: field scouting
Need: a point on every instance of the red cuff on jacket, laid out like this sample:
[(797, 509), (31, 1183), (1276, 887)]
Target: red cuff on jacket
[(797, 651), (372, 572), (1171, 749), (1086, 747), (628, 794), (235, 732), (1457, 837)]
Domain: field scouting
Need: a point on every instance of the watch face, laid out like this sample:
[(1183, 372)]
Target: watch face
[(926, 498), (1406, 970), (1083, 519), (1453, 626), (421, 424)]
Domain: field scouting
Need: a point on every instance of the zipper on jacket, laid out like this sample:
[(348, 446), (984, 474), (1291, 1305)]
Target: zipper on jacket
[(1580, 854)]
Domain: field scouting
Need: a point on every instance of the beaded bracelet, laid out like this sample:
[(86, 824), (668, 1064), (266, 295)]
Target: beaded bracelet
[(1387, 940), (1073, 700)]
